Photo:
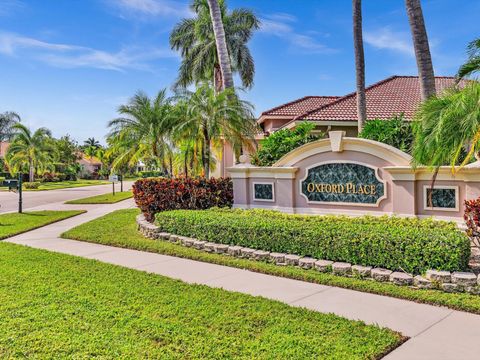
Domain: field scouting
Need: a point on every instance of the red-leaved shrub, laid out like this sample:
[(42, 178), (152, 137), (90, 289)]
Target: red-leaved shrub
[(472, 217), (159, 194)]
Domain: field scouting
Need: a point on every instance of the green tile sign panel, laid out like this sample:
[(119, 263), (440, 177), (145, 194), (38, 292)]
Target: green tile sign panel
[(443, 198), (343, 183), (263, 191)]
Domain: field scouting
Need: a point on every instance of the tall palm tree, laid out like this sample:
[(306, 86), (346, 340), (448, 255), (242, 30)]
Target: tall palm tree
[(91, 142), (216, 117), (359, 64), (29, 150), (422, 48), (447, 125), (142, 133), (196, 41), (473, 63), (7, 121), (221, 44)]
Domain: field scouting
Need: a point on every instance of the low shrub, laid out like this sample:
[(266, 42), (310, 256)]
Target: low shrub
[(31, 185), (283, 141), (52, 177), (150, 173), (159, 194), (403, 244)]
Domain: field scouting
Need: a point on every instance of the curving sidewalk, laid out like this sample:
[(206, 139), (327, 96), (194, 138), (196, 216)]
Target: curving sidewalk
[(435, 332)]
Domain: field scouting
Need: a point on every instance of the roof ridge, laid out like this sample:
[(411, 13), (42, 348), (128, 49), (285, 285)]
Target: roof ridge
[(299, 100)]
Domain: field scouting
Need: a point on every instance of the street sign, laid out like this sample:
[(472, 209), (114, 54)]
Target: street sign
[(113, 178)]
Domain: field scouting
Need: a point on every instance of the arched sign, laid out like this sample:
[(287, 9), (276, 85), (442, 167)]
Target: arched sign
[(346, 183)]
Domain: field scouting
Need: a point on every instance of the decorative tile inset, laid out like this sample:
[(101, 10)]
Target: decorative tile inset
[(263, 192), (343, 183), (443, 198)]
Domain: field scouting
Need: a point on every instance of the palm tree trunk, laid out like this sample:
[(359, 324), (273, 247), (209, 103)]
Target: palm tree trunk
[(217, 79), (31, 171), (359, 64), (221, 43), (422, 48), (206, 153)]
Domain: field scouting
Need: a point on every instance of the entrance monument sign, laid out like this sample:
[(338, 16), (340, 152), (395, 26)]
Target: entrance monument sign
[(353, 176)]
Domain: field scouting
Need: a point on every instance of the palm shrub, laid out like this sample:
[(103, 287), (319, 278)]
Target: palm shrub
[(472, 65), (396, 132), (283, 141)]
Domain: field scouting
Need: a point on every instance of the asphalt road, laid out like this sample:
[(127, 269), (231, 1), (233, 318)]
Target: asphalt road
[(31, 199)]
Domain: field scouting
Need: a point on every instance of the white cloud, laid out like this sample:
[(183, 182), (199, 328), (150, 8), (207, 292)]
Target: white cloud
[(280, 25), (152, 7), (8, 7), (74, 56), (385, 38)]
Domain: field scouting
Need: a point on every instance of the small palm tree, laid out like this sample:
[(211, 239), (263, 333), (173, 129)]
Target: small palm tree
[(447, 129), (196, 41), (7, 121), (216, 117), (32, 151), (473, 63), (142, 133)]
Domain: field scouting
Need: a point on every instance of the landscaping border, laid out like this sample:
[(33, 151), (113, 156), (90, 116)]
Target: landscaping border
[(433, 279)]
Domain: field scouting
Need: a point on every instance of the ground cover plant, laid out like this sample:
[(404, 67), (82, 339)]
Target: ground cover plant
[(109, 198), (60, 306), (159, 194), (120, 229), (14, 223), (68, 184), (399, 244)]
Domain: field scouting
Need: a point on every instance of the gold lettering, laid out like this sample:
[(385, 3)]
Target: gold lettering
[(373, 190), (360, 189), (349, 188), (328, 188), (342, 189), (310, 187), (366, 190)]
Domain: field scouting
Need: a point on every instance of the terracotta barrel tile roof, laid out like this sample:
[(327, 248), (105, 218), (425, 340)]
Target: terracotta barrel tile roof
[(300, 106), (389, 97)]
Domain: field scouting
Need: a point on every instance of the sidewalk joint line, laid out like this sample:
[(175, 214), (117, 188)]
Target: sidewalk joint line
[(432, 325), (307, 296)]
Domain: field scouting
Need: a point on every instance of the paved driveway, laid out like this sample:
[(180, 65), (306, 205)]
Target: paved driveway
[(36, 199)]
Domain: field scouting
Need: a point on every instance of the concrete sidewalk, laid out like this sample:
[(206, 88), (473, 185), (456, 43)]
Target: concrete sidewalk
[(435, 332)]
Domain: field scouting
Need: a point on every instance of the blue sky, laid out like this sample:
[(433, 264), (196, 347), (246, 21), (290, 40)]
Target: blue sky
[(68, 64)]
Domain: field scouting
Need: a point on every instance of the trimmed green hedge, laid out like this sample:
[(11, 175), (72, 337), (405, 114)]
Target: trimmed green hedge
[(407, 244)]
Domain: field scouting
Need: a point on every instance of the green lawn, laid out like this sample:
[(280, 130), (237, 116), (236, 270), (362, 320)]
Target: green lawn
[(68, 184), (14, 223), (59, 306), (103, 199), (119, 229)]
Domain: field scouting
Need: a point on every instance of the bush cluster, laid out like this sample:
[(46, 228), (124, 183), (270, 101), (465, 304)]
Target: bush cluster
[(31, 185), (283, 141), (52, 177), (402, 244), (159, 194), (472, 220)]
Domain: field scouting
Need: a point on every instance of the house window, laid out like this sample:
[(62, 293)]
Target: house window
[(263, 191), (444, 198)]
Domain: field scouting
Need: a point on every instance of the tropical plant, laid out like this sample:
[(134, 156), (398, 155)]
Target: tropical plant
[(448, 130), (31, 151), (473, 63), (142, 133), (67, 152), (422, 48), (396, 132), (213, 118), (196, 41), (7, 121), (91, 142), (359, 64), (282, 142)]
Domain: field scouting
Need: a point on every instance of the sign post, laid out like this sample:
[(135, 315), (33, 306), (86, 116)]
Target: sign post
[(120, 177), (113, 179)]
